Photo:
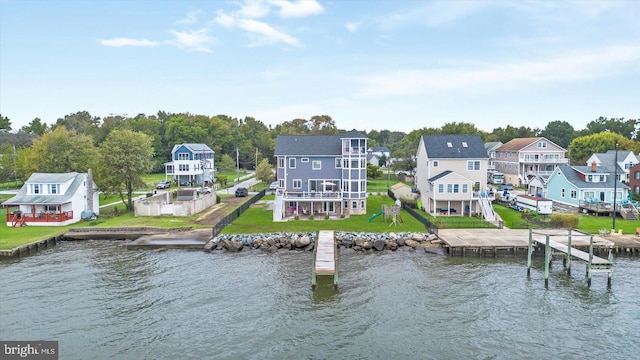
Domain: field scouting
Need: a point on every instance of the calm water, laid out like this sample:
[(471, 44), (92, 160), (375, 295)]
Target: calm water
[(101, 301)]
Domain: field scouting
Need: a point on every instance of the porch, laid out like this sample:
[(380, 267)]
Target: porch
[(44, 218)]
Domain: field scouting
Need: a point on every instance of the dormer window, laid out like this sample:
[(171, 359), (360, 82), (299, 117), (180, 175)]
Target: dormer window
[(35, 189), (449, 144), (54, 189)]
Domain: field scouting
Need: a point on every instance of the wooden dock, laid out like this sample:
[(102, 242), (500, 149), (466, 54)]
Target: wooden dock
[(594, 263), (325, 258)]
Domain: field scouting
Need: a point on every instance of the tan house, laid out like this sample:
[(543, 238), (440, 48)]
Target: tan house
[(451, 175), (521, 159)]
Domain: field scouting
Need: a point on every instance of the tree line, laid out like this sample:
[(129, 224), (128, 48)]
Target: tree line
[(73, 142)]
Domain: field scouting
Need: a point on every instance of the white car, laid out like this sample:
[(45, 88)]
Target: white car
[(273, 186)]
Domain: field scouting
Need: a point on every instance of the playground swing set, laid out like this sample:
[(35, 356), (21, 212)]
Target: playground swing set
[(391, 211)]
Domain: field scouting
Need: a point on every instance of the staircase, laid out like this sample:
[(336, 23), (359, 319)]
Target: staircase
[(629, 212), (277, 207), (487, 209), (17, 221)]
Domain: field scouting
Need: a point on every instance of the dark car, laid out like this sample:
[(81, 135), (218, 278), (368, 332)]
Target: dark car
[(241, 192), (506, 186), (163, 185)]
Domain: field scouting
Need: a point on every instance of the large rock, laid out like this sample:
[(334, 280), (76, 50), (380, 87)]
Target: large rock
[(303, 241), (412, 243), (378, 244), (367, 245), (391, 245), (401, 241), (418, 237), (272, 249), (309, 247), (233, 246)]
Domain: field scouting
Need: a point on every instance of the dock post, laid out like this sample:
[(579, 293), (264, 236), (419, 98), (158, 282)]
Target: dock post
[(530, 250), (547, 260), (568, 257), (590, 261)]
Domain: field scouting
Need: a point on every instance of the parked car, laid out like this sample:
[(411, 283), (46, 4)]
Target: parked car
[(163, 185), (242, 192), (205, 190), (273, 186), (506, 186)]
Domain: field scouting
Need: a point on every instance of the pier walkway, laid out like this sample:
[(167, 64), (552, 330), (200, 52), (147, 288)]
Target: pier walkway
[(325, 258)]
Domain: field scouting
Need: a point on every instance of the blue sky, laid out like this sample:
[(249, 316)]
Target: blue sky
[(397, 65)]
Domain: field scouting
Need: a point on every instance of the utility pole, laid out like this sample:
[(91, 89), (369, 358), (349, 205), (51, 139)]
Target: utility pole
[(256, 159), (237, 164)]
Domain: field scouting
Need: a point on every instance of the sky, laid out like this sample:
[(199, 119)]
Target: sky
[(370, 65)]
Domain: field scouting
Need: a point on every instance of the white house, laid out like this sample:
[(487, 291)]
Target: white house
[(53, 199), (625, 161)]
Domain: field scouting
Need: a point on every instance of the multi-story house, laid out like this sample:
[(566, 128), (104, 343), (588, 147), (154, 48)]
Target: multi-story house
[(53, 199), (451, 175), (521, 159), (191, 164), (591, 189), (625, 161), (377, 153), (491, 151), (634, 177), (321, 175)]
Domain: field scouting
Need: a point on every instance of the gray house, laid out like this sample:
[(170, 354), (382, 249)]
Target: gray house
[(321, 175)]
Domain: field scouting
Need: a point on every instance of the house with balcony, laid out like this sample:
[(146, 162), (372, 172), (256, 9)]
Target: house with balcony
[(591, 189), (491, 152), (624, 160), (53, 199), (521, 159), (191, 164), (451, 175), (321, 175)]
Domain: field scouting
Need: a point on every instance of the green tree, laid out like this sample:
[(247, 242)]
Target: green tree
[(626, 128), (581, 148), (125, 156), (373, 171), (226, 163), (36, 126), (5, 124), (81, 122), (559, 132), (264, 172), (511, 132), (323, 125), (59, 151)]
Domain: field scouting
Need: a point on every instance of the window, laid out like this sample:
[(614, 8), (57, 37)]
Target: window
[(602, 178), (590, 178), (362, 204), (562, 192), (183, 156), (292, 163), (354, 204), (36, 188), (573, 194), (297, 183), (456, 188), (316, 165), (281, 163), (354, 186), (54, 189), (637, 175), (465, 188), (435, 163), (449, 144), (51, 208), (281, 183), (363, 185), (183, 167), (304, 160), (338, 163), (354, 163), (464, 144), (473, 165), (542, 145), (440, 188), (449, 188)]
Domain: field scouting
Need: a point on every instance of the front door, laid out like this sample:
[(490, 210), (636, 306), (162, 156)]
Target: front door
[(602, 196), (328, 207)]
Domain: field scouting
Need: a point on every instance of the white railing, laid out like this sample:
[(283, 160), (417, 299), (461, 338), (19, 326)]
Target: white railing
[(544, 161), (277, 206), (487, 209), (312, 195)]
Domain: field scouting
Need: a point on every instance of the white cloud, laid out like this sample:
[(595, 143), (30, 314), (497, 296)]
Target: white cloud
[(352, 27), (268, 34), (434, 14), (191, 18), (297, 9), (594, 63), (198, 40), (253, 9), (120, 42)]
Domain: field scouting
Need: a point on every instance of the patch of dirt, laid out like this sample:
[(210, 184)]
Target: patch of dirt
[(214, 214)]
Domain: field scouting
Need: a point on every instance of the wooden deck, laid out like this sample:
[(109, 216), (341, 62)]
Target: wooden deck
[(582, 255), (325, 258)]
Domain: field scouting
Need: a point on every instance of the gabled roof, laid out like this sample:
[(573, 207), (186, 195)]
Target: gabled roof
[(49, 178), (492, 145), (194, 148), (518, 144), (396, 186), (313, 145), (453, 147), (440, 176), (572, 175), (609, 158)]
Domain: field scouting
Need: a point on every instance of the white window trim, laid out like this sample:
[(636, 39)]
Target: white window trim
[(299, 184), (294, 163), (313, 165), (304, 160)]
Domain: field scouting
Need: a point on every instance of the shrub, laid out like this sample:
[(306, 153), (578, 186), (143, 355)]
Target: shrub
[(565, 220), (326, 216), (217, 199), (311, 217)]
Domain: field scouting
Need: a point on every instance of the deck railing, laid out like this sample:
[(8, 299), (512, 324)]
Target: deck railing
[(43, 217), (312, 195)]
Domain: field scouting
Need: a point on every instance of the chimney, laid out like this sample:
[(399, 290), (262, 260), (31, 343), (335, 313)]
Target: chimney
[(593, 166), (89, 190)]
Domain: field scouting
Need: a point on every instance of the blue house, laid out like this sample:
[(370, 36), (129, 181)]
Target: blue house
[(590, 189), (321, 175), (191, 164)]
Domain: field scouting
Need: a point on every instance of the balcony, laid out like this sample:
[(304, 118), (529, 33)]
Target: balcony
[(544, 161), (312, 195)]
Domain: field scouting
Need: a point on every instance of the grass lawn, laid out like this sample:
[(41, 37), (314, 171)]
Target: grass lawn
[(260, 219)]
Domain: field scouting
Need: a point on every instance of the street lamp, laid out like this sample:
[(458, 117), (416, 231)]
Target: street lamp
[(615, 186)]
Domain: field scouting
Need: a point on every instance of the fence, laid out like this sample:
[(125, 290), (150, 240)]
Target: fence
[(431, 227), (227, 220)]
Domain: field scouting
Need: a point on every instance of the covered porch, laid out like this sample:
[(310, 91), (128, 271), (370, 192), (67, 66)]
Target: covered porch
[(37, 215)]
